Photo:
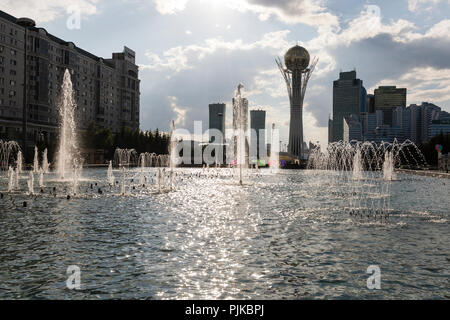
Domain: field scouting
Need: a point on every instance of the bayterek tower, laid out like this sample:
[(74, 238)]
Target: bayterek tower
[(296, 74)]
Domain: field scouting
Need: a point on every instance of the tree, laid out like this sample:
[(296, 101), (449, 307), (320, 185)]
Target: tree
[(429, 148)]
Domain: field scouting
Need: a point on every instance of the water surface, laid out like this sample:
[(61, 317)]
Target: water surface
[(279, 236)]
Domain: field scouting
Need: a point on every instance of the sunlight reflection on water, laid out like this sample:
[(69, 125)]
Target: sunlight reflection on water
[(280, 235)]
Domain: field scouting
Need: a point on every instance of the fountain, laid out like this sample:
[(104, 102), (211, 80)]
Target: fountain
[(357, 165), (41, 178), (110, 174), (67, 137), (367, 169), (19, 162), (388, 167), (16, 179), (172, 155), (10, 179), (274, 155), (240, 130), (124, 158), (75, 179), (36, 160), (45, 164), (122, 186), (160, 179), (142, 165), (7, 151), (31, 183)]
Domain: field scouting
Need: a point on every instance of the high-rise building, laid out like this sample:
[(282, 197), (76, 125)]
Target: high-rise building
[(258, 133), (439, 126), (421, 120), (370, 103), (352, 128), (330, 130), (296, 75), (106, 90), (217, 120), (387, 98), (348, 98)]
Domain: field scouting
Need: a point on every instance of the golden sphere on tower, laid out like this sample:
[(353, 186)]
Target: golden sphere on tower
[(296, 58)]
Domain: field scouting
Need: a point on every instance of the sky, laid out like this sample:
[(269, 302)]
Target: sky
[(195, 52)]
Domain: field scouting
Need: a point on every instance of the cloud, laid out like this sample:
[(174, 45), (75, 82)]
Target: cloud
[(424, 84), (47, 10), (310, 12), (179, 111), (415, 5), (170, 6), (384, 52), (181, 58)]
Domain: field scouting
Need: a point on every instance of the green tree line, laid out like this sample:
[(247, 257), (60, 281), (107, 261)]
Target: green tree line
[(429, 148), (96, 137)]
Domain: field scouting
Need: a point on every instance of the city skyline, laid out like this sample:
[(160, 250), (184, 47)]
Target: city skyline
[(179, 46)]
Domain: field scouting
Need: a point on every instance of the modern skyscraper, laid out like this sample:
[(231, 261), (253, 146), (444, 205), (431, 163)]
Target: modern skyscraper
[(439, 126), (296, 74), (217, 119), (348, 98), (330, 130), (421, 119), (258, 131), (387, 98), (352, 128), (370, 103), (106, 90)]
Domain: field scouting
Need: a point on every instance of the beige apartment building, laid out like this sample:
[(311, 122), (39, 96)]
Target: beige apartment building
[(106, 90)]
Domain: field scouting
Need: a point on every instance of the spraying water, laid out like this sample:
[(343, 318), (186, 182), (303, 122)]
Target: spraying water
[(67, 138), (122, 188), (388, 167), (36, 160), (31, 183), (110, 174), (19, 163), (160, 178), (75, 179), (357, 165), (45, 163), (41, 178), (240, 129), (142, 164), (274, 155), (16, 179), (172, 155), (125, 158), (10, 179), (366, 169), (7, 151)]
